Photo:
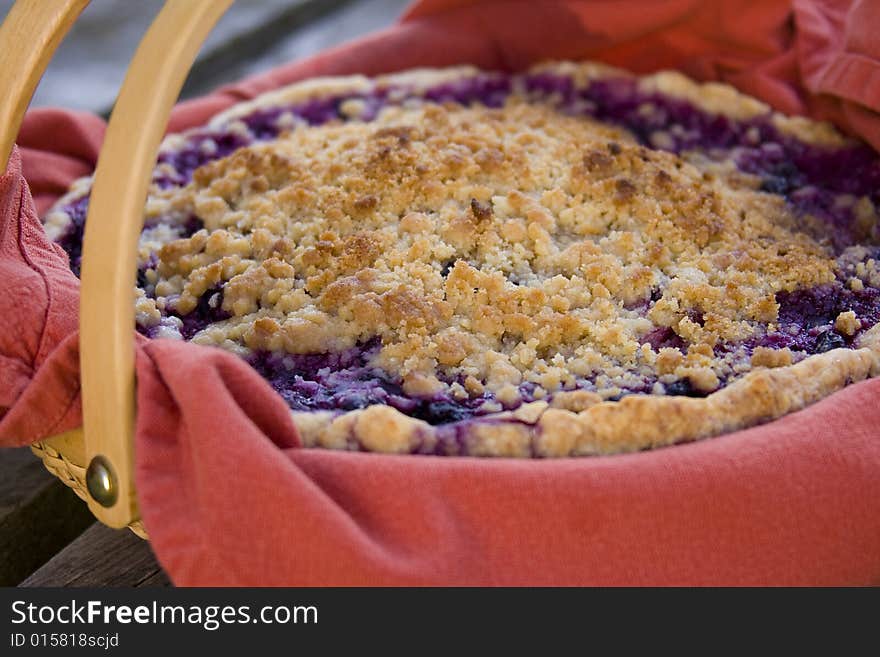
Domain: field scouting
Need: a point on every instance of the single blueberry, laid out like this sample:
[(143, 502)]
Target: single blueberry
[(193, 224), (440, 412), (775, 185), (827, 341), (681, 388)]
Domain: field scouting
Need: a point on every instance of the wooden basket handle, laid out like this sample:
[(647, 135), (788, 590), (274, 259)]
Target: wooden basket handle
[(113, 224), (28, 39)]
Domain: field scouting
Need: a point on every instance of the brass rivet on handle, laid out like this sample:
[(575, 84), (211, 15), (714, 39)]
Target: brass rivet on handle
[(101, 481)]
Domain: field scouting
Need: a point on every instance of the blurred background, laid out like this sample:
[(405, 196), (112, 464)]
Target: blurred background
[(253, 36)]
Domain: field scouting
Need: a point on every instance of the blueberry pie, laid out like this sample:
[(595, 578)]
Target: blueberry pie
[(567, 261)]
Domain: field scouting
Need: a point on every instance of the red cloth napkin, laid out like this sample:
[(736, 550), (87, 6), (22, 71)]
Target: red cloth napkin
[(227, 496)]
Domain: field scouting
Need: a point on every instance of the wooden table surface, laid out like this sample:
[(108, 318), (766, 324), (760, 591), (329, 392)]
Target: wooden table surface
[(47, 535)]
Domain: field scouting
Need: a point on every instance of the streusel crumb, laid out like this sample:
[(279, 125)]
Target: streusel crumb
[(494, 246)]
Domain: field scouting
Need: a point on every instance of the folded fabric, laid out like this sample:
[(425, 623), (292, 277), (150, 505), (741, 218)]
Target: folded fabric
[(229, 498)]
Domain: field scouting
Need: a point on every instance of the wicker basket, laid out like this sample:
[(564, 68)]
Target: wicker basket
[(62, 456), (97, 461)]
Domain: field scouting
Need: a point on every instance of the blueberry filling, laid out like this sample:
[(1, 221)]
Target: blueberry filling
[(72, 239), (806, 318), (345, 381), (208, 310)]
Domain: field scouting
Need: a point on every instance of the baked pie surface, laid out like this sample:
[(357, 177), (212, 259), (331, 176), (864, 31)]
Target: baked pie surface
[(567, 261)]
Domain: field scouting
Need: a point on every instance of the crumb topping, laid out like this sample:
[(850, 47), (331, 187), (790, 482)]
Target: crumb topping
[(489, 247)]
